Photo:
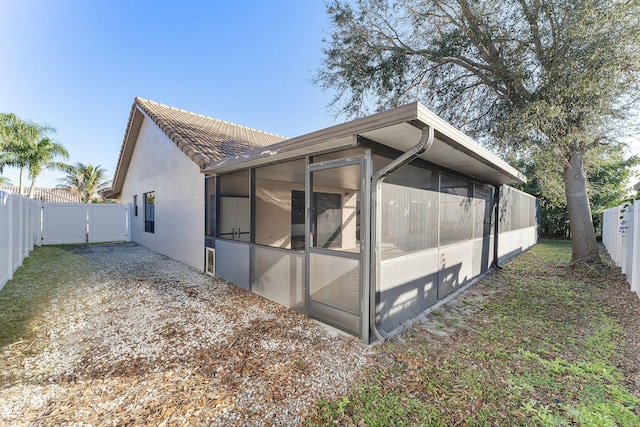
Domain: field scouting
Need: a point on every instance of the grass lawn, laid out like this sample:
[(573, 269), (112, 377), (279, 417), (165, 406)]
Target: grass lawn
[(549, 344), (33, 287)]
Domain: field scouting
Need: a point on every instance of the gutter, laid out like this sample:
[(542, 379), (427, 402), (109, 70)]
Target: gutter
[(376, 213)]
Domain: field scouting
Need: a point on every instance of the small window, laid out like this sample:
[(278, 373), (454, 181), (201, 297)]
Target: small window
[(135, 205), (149, 211)]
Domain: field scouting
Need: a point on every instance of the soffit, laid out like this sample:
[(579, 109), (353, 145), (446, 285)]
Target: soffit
[(399, 129)]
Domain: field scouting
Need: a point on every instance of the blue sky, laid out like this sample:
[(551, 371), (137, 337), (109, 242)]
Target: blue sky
[(77, 65)]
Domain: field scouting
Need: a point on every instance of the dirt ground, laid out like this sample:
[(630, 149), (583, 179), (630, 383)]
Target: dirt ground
[(145, 340)]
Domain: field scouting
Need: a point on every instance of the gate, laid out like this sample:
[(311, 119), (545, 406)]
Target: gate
[(69, 223)]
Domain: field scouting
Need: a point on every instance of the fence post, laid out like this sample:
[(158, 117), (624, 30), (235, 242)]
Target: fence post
[(6, 234), (18, 228), (605, 228), (634, 276), (37, 223), (619, 238), (129, 219)]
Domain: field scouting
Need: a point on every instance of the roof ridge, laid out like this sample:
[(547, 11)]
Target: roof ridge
[(209, 117)]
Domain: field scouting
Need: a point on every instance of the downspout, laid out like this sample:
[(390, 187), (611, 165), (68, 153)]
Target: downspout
[(376, 192), (496, 228)]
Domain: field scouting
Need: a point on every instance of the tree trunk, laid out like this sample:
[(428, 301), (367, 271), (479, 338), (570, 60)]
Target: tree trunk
[(583, 235), (32, 189), (20, 181)]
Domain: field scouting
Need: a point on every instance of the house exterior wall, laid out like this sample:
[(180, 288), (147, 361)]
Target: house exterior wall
[(158, 165)]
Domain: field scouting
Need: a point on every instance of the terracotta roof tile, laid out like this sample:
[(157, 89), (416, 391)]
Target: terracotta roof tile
[(203, 138), (55, 195)]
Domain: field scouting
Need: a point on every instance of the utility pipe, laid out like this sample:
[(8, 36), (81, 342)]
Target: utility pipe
[(496, 228), (376, 213)]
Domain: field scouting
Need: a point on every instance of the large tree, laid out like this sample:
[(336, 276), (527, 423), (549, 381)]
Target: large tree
[(608, 172), (554, 76), (27, 146), (41, 154), (85, 180)]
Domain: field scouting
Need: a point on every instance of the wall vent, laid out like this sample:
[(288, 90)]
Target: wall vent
[(211, 262)]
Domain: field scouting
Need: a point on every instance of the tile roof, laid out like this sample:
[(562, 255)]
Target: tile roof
[(203, 138), (54, 195)]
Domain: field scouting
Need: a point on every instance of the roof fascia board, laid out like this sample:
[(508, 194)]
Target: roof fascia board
[(402, 114), (461, 142), (131, 136), (414, 113)]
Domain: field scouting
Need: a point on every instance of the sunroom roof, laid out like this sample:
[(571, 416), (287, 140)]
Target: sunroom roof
[(399, 129)]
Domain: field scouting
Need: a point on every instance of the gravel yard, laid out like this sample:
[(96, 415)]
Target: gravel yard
[(145, 340)]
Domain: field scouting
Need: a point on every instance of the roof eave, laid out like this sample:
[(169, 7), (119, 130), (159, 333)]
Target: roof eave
[(415, 114), (461, 142), (402, 114), (128, 144)]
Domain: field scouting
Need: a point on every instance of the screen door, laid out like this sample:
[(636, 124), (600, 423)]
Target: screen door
[(334, 245)]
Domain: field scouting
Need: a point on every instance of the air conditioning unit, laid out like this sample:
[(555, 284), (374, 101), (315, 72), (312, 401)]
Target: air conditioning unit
[(210, 267)]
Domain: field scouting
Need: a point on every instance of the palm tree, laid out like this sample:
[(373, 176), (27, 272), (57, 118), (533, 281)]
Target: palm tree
[(41, 155), (4, 180), (13, 133), (85, 180), (25, 145)]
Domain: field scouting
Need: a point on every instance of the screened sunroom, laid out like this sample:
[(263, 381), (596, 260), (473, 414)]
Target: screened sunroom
[(354, 226)]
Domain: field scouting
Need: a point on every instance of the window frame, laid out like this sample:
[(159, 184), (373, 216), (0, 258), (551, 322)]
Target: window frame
[(149, 211)]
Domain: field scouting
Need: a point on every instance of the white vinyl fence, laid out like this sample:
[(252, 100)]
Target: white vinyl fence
[(19, 229), (621, 237), (26, 222), (83, 223)]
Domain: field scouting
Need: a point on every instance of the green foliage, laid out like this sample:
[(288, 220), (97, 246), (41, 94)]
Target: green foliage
[(26, 145), (608, 173), (523, 71), (86, 180), (553, 78)]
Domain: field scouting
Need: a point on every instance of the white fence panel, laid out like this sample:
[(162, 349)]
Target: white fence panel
[(26, 230), (71, 223), (37, 223), (64, 223), (6, 246), (18, 232), (621, 237), (108, 223), (634, 277), (25, 222)]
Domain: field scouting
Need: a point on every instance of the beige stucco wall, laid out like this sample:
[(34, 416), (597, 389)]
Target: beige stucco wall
[(157, 164)]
